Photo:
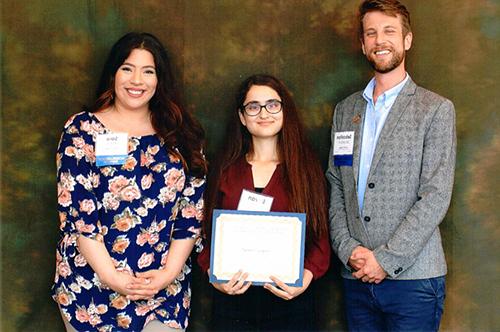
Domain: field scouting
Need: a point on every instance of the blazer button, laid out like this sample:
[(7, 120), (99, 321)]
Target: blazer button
[(367, 219), (398, 270), (371, 185)]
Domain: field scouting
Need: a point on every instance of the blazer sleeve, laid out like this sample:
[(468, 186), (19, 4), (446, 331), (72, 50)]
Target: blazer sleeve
[(342, 242), (434, 195)]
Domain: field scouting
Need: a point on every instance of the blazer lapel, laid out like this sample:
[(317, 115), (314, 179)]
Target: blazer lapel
[(399, 107), (358, 121)]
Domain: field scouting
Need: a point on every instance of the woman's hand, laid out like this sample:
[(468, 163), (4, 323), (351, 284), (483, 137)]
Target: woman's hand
[(235, 286), (148, 284), (95, 253), (152, 281), (288, 292), (120, 279)]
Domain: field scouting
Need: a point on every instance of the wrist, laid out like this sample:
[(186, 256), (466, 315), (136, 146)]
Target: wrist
[(167, 276), (307, 278), (109, 278), (308, 275)]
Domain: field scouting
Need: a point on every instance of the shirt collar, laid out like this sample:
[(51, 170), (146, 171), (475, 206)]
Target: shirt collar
[(388, 96)]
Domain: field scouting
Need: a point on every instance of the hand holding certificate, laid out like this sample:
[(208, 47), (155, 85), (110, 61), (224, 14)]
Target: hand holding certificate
[(260, 243)]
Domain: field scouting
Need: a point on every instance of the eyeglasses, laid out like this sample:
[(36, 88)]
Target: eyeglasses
[(272, 106)]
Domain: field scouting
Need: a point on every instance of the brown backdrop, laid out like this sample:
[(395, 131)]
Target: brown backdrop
[(52, 52)]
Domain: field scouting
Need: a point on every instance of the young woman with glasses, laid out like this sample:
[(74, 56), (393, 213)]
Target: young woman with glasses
[(266, 151)]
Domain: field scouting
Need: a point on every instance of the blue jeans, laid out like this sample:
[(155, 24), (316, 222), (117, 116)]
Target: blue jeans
[(395, 305)]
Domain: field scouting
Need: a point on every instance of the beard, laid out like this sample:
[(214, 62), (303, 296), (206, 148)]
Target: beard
[(394, 62)]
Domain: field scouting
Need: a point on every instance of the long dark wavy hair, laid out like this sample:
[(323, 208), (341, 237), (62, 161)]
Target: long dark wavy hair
[(171, 121), (303, 174)]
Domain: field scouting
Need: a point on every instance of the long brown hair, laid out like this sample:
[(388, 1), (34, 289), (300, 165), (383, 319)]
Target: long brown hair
[(303, 174), (172, 122)]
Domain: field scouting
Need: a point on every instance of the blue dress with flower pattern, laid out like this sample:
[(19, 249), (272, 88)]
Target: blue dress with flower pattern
[(136, 209)]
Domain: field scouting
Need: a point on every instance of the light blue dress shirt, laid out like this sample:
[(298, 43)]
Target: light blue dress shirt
[(375, 116)]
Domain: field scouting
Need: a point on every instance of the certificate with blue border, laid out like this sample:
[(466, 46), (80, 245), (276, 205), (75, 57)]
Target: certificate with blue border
[(263, 244)]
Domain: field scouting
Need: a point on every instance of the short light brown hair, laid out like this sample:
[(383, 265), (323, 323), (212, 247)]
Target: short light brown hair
[(388, 7)]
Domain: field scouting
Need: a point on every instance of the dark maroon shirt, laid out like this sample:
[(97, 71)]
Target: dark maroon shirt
[(238, 177)]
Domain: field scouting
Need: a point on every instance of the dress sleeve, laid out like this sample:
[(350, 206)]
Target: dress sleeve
[(317, 258), (189, 210), (76, 181)]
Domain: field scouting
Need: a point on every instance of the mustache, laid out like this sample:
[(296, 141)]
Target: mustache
[(383, 48)]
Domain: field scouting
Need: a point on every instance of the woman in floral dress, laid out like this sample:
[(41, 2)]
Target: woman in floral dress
[(129, 225)]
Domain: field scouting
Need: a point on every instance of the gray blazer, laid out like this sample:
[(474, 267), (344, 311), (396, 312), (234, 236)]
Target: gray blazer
[(408, 188)]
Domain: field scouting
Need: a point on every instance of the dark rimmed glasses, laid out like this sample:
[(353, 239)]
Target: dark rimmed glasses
[(273, 106)]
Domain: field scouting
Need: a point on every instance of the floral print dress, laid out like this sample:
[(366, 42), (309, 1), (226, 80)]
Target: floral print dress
[(136, 209)]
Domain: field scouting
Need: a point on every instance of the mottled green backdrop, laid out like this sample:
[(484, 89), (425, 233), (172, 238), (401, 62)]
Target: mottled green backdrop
[(52, 52)]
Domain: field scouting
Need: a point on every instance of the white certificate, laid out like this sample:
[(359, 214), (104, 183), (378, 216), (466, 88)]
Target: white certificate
[(259, 243)]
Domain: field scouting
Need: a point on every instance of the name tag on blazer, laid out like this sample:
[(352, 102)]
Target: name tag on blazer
[(343, 146)]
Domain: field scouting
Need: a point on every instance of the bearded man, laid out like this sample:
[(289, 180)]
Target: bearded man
[(391, 171)]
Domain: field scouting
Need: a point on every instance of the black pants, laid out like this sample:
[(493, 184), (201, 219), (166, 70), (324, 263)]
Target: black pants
[(260, 310)]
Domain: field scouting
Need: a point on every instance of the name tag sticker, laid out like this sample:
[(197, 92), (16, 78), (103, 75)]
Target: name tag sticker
[(252, 201), (111, 149), (343, 146)]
